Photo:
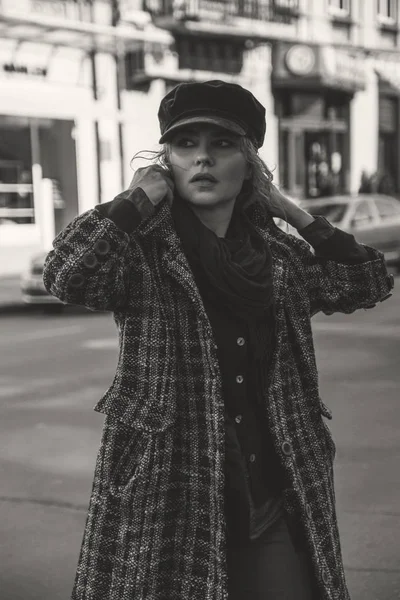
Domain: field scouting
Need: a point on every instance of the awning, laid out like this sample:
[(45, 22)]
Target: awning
[(389, 79), (78, 34)]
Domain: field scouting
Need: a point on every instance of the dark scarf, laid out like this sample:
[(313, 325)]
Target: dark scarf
[(234, 274)]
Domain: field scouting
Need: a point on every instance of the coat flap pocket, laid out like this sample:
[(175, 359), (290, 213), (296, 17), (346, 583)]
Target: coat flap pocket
[(151, 415)]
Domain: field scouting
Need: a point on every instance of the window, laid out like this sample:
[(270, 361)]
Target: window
[(387, 11), (387, 209), (210, 55), (27, 141), (339, 7), (363, 215)]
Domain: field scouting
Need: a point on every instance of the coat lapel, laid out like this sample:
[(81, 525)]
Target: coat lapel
[(176, 265)]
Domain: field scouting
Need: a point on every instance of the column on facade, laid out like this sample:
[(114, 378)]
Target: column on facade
[(364, 129), (256, 76)]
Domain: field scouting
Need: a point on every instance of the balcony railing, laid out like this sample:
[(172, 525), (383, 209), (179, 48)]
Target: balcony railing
[(278, 11)]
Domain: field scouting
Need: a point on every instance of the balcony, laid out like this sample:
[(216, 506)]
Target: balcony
[(222, 15)]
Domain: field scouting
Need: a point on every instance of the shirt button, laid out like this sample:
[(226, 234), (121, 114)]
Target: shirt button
[(239, 379), (240, 341), (238, 418), (252, 457)]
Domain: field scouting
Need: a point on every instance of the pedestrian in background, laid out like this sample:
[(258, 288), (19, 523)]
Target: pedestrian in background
[(214, 477)]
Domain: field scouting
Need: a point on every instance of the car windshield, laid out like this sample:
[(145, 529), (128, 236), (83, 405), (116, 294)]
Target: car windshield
[(333, 212)]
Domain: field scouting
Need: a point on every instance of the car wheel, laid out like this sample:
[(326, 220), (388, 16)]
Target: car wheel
[(54, 309)]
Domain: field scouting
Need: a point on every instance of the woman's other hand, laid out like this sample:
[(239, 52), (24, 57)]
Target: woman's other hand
[(283, 208), (279, 205), (156, 182)]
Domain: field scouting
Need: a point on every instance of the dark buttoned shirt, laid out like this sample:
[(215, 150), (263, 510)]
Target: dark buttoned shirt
[(253, 481)]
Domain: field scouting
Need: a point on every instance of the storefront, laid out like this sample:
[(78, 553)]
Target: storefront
[(313, 87), (60, 119), (387, 69)]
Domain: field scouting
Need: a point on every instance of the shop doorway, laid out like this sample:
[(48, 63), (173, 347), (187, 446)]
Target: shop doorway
[(313, 162), (314, 142), (323, 153)]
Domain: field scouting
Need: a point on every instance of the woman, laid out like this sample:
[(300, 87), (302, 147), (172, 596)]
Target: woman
[(214, 477)]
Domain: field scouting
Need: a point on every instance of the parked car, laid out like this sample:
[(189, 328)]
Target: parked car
[(32, 286), (373, 219)]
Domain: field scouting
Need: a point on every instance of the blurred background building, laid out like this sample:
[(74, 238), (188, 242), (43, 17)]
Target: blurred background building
[(81, 81)]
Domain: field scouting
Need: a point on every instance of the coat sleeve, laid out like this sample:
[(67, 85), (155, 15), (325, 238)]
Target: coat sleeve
[(341, 275), (94, 260)]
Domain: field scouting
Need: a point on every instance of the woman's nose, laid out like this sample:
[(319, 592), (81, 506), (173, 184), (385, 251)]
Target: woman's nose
[(204, 155), (203, 158)]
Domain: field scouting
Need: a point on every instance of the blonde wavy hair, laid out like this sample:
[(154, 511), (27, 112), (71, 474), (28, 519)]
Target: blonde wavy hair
[(259, 186)]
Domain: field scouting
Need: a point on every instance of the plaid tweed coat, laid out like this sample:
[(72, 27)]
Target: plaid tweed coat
[(155, 528)]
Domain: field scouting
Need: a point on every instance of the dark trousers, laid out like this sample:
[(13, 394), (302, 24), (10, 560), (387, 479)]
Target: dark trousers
[(269, 568)]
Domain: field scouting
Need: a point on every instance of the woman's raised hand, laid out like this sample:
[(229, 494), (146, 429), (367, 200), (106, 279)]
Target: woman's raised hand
[(155, 181), (279, 205)]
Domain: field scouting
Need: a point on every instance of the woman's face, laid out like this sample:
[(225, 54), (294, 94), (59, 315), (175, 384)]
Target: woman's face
[(207, 149)]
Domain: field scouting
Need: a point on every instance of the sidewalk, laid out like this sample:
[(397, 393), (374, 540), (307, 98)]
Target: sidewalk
[(10, 295)]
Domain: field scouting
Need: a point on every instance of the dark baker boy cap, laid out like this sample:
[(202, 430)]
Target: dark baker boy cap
[(227, 105)]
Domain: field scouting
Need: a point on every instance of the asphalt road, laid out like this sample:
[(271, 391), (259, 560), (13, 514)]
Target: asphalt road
[(55, 368)]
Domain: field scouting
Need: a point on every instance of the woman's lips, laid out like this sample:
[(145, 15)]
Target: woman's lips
[(204, 182)]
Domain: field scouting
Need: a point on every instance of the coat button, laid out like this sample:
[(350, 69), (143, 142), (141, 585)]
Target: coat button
[(325, 576), (252, 457), (102, 247), (287, 448), (239, 379), (391, 280), (77, 280), (238, 418), (90, 260), (240, 341)]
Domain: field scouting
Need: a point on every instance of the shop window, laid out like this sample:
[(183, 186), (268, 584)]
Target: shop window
[(16, 189), (25, 142)]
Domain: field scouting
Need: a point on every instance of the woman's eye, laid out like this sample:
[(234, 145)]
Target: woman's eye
[(184, 142), (224, 143)]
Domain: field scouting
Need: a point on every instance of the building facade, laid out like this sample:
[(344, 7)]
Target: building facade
[(326, 70), (82, 81), (61, 122)]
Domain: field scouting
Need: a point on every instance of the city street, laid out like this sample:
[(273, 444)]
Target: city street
[(55, 368)]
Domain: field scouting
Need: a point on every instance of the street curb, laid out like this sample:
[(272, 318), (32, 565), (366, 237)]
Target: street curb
[(15, 308)]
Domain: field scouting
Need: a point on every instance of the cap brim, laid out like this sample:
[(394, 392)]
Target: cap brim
[(210, 120)]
